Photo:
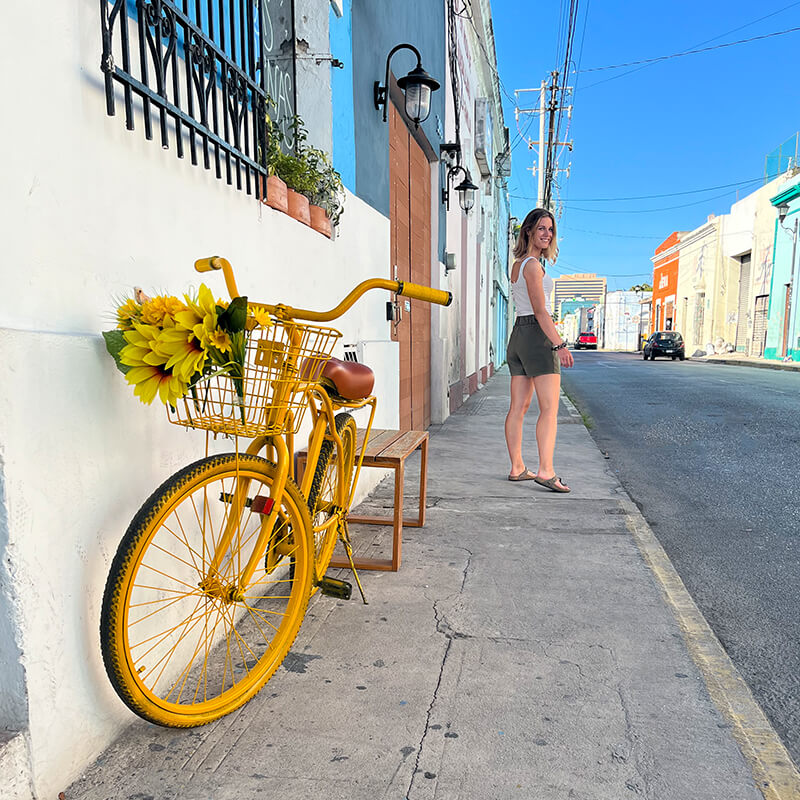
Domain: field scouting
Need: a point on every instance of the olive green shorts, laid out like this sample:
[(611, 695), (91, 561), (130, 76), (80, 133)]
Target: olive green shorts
[(529, 351)]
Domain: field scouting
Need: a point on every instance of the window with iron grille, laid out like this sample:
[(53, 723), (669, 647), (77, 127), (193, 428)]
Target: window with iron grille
[(203, 73)]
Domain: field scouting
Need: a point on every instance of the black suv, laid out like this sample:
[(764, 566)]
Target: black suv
[(664, 343)]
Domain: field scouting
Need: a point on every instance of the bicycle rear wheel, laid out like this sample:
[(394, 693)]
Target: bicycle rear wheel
[(182, 644), (323, 492)]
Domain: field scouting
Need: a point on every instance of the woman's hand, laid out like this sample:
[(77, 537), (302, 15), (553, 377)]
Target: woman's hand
[(565, 357)]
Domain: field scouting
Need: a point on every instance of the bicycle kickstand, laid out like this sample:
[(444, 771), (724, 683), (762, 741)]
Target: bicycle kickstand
[(344, 534)]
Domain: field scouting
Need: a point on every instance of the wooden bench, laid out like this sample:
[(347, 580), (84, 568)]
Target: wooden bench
[(389, 449)]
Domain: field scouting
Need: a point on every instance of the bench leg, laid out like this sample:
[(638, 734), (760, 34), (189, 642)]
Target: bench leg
[(423, 487), (396, 520), (397, 537)]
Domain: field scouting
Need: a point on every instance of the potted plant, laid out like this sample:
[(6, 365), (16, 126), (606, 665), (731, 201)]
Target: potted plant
[(314, 189), (300, 181), (327, 200)]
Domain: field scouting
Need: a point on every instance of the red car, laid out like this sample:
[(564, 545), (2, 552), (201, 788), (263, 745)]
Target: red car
[(587, 340)]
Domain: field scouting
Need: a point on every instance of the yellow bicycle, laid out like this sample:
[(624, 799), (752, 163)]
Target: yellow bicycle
[(211, 581)]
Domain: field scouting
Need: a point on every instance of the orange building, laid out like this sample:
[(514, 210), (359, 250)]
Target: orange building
[(665, 283)]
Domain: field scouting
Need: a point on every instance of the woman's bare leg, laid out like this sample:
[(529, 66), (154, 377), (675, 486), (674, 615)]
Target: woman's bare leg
[(547, 392), (521, 396)]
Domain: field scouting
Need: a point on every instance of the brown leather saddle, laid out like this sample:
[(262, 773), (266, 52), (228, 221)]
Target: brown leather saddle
[(347, 379)]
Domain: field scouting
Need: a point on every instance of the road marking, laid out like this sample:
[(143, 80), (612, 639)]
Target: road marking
[(774, 773)]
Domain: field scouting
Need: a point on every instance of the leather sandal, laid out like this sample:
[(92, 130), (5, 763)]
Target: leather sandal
[(525, 475), (551, 484)]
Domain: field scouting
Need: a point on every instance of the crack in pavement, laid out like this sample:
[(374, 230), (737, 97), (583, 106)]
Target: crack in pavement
[(444, 628), (635, 783)]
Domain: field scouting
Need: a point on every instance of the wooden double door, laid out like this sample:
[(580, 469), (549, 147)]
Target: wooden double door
[(410, 215)]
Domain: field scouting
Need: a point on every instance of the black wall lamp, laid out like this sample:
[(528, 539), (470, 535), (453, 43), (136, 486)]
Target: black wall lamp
[(466, 189), (417, 87)]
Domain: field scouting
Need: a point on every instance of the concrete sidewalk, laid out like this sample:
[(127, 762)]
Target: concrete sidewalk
[(527, 648)]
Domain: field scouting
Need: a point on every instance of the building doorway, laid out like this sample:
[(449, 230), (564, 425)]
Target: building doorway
[(410, 220)]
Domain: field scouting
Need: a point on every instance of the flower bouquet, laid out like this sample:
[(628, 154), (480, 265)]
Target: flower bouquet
[(168, 347)]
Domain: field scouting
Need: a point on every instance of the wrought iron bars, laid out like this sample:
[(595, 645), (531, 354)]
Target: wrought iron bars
[(202, 71)]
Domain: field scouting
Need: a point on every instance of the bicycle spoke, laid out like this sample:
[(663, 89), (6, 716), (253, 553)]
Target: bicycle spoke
[(193, 642)]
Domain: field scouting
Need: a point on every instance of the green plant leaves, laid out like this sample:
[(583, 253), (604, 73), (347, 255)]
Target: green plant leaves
[(234, 317), (115, 341)]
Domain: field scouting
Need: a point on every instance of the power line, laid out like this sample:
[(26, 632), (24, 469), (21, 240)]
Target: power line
[(645, 210), (691, 52), (570, 229), (699, 44), (657, 196)]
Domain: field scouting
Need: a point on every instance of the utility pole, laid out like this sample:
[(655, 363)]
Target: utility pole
[(546, 161)]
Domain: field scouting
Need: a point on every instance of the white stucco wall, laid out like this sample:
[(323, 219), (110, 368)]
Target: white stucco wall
[(91, 210), (751, 228), (699, 273), (622, 320)]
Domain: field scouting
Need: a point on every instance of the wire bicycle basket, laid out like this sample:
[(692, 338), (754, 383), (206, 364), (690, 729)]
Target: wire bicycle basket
[(281, 362)]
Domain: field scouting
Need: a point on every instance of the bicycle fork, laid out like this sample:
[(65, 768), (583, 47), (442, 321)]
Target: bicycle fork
[(268, 508)]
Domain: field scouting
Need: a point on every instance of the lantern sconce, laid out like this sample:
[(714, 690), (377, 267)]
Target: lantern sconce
[(466, 189), (417, 87)]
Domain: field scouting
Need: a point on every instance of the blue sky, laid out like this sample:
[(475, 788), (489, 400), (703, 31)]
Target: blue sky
[(680, 125)]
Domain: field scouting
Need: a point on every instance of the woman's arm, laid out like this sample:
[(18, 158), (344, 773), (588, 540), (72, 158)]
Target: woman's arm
[(533, 280)]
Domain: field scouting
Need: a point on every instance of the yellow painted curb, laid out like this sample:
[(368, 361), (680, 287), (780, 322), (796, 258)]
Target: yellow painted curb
[(774, 772)]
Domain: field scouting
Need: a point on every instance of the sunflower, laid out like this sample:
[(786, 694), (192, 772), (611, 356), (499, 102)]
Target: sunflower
[(149, 374), (199, 311), (149, 381), (210, 335), (161, 310), (140, 350), (185, 353), (258, 317), (128, 313)]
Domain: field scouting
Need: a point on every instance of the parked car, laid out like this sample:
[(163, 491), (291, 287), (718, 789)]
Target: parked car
[(587, 340), (664, 343)]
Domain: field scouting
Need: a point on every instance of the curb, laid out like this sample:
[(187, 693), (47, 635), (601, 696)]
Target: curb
[(772, 767), (786, 367), (773, 770)]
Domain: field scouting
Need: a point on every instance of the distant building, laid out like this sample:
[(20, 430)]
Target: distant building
[(584, 285), (623, 319)]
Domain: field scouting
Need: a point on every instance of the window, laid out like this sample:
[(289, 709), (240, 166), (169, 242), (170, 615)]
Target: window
[(203, 72)]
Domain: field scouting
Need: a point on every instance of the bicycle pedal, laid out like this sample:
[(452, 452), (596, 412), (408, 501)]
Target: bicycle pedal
[(333, 587)]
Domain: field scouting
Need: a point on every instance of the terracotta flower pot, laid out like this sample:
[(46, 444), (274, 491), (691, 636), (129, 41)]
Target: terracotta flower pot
[(320, 220), (298, 207), (273, 193)]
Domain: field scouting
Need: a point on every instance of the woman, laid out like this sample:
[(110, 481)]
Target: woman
[(535, 352)]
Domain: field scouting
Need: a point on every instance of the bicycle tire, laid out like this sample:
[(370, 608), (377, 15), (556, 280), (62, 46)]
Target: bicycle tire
[(321, 496), (199, 653)]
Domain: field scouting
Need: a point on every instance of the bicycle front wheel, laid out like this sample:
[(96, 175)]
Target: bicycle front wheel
[(322, 497), (183, 643)]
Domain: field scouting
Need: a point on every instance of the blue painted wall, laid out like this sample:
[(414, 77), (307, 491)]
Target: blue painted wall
[(783, 273), (376, 28), (344, 145)]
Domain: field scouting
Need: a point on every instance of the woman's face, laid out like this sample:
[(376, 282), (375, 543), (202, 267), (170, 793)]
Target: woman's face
[(543, 233)]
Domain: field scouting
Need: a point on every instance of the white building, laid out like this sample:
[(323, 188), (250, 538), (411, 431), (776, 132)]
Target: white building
[(623, 319), (93, 209)]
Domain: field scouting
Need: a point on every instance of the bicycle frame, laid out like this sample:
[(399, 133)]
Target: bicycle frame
[(322, 408)]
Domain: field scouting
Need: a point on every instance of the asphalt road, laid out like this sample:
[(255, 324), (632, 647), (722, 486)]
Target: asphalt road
[(711, 455)]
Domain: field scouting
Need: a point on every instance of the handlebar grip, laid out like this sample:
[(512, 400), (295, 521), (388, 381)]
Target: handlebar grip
[(425, 293), (207, 264)]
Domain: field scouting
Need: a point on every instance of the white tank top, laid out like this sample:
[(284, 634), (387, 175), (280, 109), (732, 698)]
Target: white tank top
[(519, 291)]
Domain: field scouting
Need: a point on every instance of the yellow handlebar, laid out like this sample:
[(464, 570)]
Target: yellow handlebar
[(414, 290), (215, 262), (425, 293)]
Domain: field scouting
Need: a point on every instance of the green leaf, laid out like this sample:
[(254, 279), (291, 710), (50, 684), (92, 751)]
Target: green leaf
[(234, 318), (115, 341)]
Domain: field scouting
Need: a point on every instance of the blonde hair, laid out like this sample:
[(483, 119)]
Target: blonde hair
[(527, 228)]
